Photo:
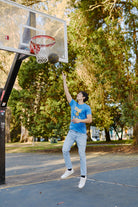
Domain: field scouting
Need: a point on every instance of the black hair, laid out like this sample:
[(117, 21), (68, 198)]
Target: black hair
[(85, 95)]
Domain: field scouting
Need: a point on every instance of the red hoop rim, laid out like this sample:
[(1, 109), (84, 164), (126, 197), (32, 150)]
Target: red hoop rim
[(38, 46)]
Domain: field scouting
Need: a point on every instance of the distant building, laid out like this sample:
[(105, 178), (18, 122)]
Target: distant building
[(97, 134), (94, 132)]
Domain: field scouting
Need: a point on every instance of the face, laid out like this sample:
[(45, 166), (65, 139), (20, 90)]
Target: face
[(80, 96)]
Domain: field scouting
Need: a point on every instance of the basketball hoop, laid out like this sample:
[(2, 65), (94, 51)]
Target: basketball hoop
[(40, 46)]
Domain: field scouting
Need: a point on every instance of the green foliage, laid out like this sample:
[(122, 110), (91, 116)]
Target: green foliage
[(105, 60), (41, 102), (15, 123)]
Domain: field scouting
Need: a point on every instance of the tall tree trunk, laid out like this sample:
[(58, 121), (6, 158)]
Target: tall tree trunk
[(121, 134), (25, 135), (135, 128), (107, 135), (135, 133), (7, 125)]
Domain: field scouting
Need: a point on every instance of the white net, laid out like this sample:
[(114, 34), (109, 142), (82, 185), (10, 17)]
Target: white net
[(42, 55)]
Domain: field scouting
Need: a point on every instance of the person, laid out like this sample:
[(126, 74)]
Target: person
[(80, 116)]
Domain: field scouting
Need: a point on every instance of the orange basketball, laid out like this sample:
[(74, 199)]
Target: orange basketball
[(53, 58)]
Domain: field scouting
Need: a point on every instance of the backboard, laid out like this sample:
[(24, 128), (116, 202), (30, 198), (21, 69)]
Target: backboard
[(18, 24)]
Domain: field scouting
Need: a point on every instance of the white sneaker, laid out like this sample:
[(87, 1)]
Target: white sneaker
[(82, 182), (67, 173)]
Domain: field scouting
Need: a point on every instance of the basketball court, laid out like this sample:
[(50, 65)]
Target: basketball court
[(34, 180)]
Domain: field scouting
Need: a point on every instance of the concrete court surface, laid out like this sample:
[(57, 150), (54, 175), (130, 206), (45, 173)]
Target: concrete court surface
[(34, 180)]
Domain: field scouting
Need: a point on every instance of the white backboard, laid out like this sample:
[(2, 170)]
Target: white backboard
[(18, 24)]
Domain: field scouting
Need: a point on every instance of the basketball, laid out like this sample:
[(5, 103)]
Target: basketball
[(53, 58)]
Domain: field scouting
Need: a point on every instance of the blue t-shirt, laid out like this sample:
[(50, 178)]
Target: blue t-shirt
[(79, 111)]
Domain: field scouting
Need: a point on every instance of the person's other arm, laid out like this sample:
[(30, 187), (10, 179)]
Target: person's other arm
[(68, 96), (87, 120)]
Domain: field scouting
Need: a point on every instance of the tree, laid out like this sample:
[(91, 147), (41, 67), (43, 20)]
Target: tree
[(107, 69), (131, 25)]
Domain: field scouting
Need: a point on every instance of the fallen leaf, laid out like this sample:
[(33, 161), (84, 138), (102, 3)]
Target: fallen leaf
[(60, 203)]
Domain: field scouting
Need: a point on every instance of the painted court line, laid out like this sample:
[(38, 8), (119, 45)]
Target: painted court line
[(111, 183)]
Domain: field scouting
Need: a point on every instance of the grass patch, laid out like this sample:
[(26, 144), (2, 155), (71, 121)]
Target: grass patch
[(33, 147), (128, 141), (57, 147)]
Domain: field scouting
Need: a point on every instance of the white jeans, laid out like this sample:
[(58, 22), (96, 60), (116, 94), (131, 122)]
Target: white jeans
[(80, 139)]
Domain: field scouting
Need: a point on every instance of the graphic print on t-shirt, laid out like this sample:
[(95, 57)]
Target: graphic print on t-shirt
[(77, 112)]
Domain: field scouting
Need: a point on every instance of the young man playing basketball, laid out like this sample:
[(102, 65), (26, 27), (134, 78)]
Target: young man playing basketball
[(80, 115)]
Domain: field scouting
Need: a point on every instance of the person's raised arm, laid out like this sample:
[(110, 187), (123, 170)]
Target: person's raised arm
[(68, 96)]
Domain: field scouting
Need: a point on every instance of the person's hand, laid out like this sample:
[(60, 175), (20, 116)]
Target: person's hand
[(64, 76), (76, 120)]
